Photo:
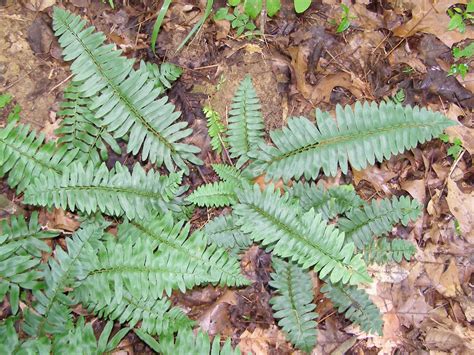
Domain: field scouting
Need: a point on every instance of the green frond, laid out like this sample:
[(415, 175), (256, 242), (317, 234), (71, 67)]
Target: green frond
[(378, 218), (188, 343), (307, 239), (117, 192), (155, 316), (245, 131), (23, 155), (362, 136), (122, 97), (131, 267), (294, 305), (224, 232), (356, 306), (11, 343), (330, 203), (163, 75), (217, 194), (80, 128), (231, 174), (52, 313), (173, 242), (81, 340), (216, 129), (383, 250), (20, 256)]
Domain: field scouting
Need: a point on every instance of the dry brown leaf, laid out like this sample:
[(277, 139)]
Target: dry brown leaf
[(391, 272), (414, 311), (416, 188), (39, 5), (215, 320), (430, 17), (449, 281), (261, 340), (376, 176), (464, 133), (58, 219), (461, 206)]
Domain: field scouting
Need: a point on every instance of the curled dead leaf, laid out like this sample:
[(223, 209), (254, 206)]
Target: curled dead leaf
[(461, 206), (39, 5)]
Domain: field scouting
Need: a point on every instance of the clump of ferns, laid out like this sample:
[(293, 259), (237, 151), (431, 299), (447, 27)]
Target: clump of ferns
[(128, 277)]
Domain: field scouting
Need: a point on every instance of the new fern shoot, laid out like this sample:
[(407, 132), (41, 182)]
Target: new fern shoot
[(126, 278)]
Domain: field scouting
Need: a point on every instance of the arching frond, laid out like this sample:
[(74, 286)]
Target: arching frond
[(384, 250), (163, 75), (306, 238), (12, 343), (356, 305), (224, 232), (362, 136), (293, 305), (216, 129), (173, 242), (23, 155), (122, 97), (229, 173), (378, 218), (117, 192), (245, 131), (217, 194)]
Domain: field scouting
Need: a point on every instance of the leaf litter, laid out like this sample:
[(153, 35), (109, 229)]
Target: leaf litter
[(302, 64)]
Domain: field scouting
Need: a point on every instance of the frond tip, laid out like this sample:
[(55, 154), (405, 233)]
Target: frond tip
[(294, 305), (362, 136)]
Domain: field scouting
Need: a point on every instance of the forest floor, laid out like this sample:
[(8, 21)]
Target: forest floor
[(298, 65)]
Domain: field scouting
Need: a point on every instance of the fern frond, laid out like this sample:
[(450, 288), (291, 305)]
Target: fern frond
[(294, 305), (245, 131), (383, 250), (217, 194), (81, 340), (229, 173), (20, 256), (164, 75), (131, 267), (12, 344), (79, 128), (155, 316), (188, 343), (23, 155), (216, 129), (356, 305), (52, 313), (362, 136), (173, 242), (117, 192), (224, 232), (307, 239), (330, 203), (123, 98), (378, 218)]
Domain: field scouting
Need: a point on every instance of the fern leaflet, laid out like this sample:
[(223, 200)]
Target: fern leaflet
[(164, 75), (294, 305), (384, 250), (360, 137), (216, 129), (224, 232), (217, 194)]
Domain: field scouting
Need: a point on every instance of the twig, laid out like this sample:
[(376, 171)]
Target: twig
[(58, 85)]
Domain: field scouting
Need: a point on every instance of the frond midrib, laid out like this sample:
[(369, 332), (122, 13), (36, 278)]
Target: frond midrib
[(118, 92), (136, 269), (344, 138), (291, 296)]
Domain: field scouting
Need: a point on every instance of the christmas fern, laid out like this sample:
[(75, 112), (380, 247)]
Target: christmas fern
[(216, 129), (307, 239), (218, 194), (384, 250), (123, 98), (23, 155), (224, 232), (362, 136), (163, 75), (116, 192), (294, 305), (378, 218), (79, 128), (172, 240), (246, 126), (356, 306)]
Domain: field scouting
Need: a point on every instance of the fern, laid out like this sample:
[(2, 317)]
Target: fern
[(123, 98), (217, 194), (164, 75), (24, 156), (187, 343), (216, 129), (245, 130), (20, 256), (173, 242), (12, 344), (155, 316), (230, 174), (52, 314), (224, 232), (306, 239), (362, 136), (356, 306), (117, 192), (378, 218), (383, 250), (330, 203), (80, 129), (294, 306)]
